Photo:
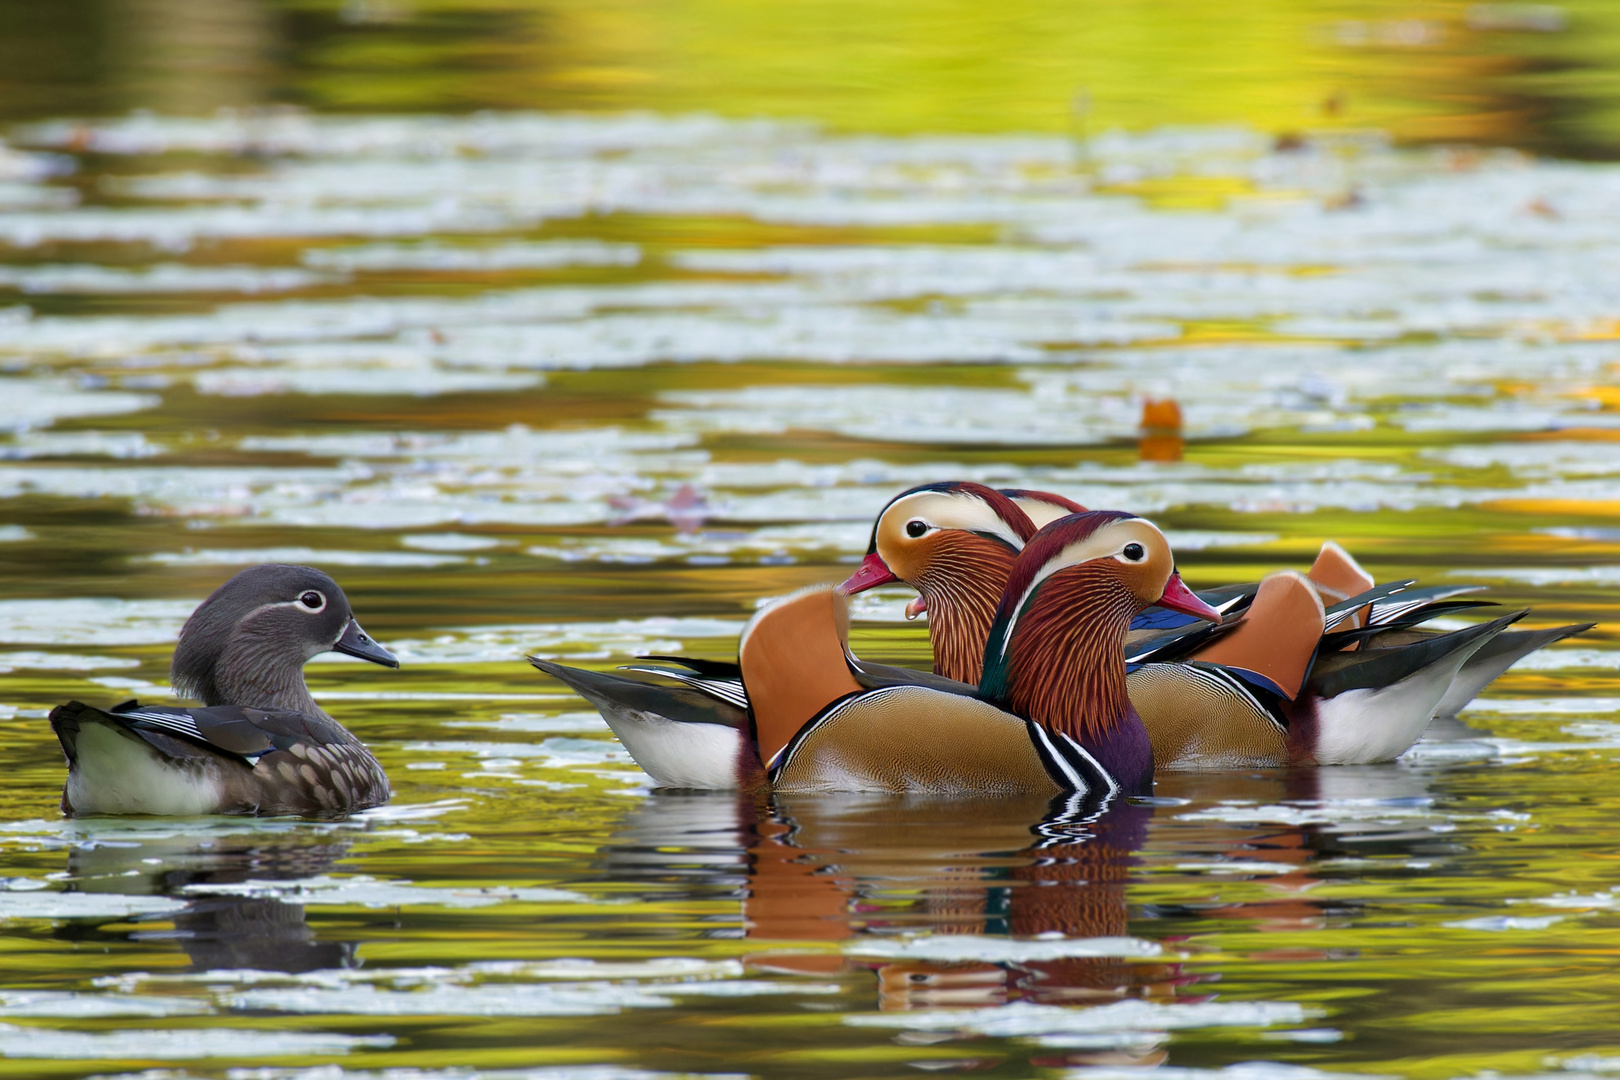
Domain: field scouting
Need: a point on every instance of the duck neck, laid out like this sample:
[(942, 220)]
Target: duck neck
[(252, 670), (961, 589), (1064, 665)]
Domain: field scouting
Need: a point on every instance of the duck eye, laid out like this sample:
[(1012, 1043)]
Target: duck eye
[(1134, 552), (915, 528), (313, 600)]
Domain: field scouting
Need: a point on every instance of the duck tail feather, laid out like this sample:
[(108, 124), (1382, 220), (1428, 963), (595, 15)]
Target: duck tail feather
[(1496, 656), (1344, 609), (708, 669), (1398, 606), (1373, 668), (1341, 639), (65, 721), (615, 693)]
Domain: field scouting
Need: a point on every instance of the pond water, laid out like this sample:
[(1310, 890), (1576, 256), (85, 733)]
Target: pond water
[(590, 384)]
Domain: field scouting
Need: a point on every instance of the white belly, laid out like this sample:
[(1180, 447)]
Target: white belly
[(679, 755), (119, 774), (1360, 727)]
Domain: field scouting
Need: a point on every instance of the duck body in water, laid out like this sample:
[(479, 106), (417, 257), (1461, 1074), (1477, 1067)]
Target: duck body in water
[(1309, 669), (259, 744), (1051, 715)]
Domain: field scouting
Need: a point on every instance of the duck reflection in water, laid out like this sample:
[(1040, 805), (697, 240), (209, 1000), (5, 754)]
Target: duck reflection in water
[(847, 868), (1346, 812), (216, 931), (840, 867)]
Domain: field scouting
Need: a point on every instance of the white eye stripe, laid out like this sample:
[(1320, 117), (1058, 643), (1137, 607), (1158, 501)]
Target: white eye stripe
[(1095, 546), (320, 602), (945, 510)]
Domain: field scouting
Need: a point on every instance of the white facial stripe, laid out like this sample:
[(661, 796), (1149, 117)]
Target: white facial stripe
[(1040, 512), (943, 510), (1106, 542), (298, 603)]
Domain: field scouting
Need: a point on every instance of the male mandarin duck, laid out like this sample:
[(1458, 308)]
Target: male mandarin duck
[(1275, 688), (1051, 708), (1050, 715), (1336, 577), (1243, 698), (259, 744)]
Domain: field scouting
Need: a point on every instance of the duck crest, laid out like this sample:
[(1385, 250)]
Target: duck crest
[(1053, 652), (959, 569), (1000, 504)]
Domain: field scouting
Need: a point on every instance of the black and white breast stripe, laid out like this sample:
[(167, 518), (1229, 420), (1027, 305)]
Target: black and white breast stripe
[(1069, 763), (1069, 822), (181, 723), (729, 691)]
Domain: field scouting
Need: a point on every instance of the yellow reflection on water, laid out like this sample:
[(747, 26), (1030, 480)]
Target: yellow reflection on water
[(1535, 76)]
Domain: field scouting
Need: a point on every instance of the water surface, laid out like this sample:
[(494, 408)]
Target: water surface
[(590, 384)]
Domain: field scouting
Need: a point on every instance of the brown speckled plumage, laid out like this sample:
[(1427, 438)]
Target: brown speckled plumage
[(259, 744)]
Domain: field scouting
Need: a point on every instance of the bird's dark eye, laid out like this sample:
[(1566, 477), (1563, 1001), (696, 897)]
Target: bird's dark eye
[(915, 528), (313, 600), (1134, 552)]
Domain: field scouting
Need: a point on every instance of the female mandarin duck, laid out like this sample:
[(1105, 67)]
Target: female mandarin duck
[(1273, 689), (260, 744), (1051, 713)]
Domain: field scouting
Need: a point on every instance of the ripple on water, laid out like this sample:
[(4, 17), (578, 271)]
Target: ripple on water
[(1101, 1026), (93, 621), (1437, 309), (178, 1045), (368, 892)]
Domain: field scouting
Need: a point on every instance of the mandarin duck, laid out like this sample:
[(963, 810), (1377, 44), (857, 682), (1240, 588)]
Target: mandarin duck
[(1235, 703), (1051, 714), (259, 744), (1337, 577), (1275, 688)]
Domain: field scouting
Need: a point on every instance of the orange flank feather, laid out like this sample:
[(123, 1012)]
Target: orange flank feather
[(1338, 577), (1278, 636), (794, 663)]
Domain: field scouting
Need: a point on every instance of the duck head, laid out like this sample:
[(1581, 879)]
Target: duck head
[(1055, 648), (955, 543), (1043, 507), (247, 643)]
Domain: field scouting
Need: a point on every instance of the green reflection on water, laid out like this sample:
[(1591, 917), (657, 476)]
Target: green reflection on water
[(1324, 898)]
